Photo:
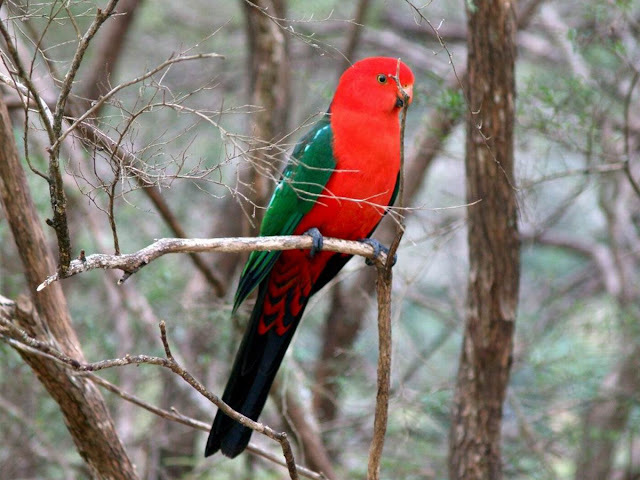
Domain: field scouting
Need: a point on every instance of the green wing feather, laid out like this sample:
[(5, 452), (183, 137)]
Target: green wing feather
[(302, 181)]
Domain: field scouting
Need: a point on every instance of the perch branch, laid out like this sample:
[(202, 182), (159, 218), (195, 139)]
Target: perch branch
[(131, 263)]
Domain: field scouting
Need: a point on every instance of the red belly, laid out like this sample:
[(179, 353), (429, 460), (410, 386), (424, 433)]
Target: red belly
[(350, 206)]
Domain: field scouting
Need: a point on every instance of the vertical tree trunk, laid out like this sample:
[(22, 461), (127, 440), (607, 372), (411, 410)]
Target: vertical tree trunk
[(492, 290), (82, 405), (268, 71), (268, 88)]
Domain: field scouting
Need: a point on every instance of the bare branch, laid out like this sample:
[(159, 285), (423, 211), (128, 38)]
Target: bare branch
[(101, 16), (131, 263), (100, 102), (21, 340), (384, 285), (627, 149)]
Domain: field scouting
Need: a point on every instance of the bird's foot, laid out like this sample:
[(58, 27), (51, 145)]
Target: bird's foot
[(377, 249), (318, 241)]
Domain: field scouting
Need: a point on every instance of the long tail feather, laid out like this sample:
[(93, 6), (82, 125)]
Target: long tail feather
[(279, 306)]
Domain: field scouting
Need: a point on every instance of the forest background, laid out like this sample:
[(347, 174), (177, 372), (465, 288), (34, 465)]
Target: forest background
[(179, 116)]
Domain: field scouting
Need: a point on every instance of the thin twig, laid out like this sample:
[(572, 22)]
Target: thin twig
[(101, 101), (384, 284), (21, 340), (65, 89), (627, 149), (393, 248)]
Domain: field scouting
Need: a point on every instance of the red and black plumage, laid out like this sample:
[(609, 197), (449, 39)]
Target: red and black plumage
[(341, 179)]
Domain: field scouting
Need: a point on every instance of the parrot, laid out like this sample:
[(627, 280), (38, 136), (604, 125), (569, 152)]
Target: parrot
[(341, 178)]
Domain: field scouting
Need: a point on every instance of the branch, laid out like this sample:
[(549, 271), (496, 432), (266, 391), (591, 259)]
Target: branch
[(131, 263), (175, 416), (627, 149), (65, 90), (97, 105), (22, 341), (384, 286)]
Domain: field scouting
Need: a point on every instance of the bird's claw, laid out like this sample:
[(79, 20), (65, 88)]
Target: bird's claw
[(377, 249), (318, 241)]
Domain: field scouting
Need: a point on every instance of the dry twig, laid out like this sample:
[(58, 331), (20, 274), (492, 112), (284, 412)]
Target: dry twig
[(384, 284), (21, 340)]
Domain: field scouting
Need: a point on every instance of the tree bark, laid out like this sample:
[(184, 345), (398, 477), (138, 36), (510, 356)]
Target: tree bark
[(349, 305), (492, 290), (268, 89), (82, 405)]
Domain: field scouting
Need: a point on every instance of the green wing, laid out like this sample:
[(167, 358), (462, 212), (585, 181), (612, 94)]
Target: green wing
[(302, 181)]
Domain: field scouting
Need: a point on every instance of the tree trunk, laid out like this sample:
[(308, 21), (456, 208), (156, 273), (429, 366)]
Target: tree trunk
[(492, 290), (82, 405), (268, 89)]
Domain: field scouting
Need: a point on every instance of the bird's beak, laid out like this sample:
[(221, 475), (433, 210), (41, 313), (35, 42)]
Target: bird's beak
[(408, 89)]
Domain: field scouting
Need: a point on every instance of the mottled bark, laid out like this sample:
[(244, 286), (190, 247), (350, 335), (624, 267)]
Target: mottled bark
[(82, 405), (492, 291)]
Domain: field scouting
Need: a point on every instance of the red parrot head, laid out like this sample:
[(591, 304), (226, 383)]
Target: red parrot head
[(371, 85)]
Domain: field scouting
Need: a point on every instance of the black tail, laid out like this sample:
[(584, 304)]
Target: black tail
[(254, 370)]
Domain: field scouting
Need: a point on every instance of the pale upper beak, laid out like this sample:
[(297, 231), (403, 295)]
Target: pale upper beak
[(408, 89)]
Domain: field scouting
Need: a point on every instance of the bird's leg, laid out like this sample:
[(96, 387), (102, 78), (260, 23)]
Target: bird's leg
[(377, 248), (318, 241)]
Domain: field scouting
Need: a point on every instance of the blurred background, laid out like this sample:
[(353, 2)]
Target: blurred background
[(206, 138)]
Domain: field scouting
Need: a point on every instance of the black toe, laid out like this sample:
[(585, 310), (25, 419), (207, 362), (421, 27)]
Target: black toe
[(377, 248), (318, 241)]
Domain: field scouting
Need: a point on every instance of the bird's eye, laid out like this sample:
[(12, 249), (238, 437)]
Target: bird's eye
[(382, 78)]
